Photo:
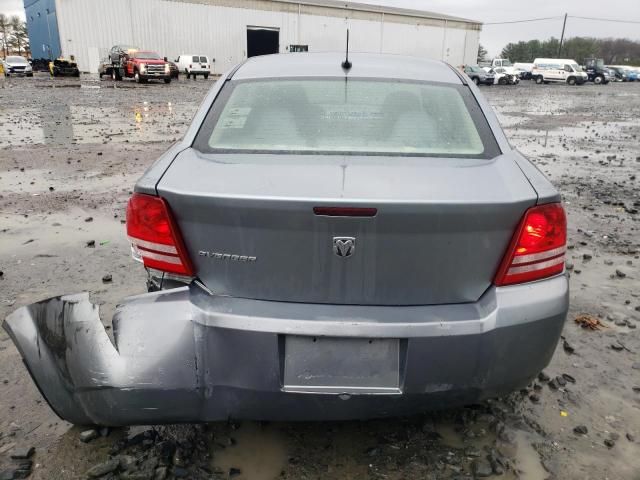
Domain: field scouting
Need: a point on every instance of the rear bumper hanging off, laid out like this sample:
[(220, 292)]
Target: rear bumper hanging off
[(185, 356)]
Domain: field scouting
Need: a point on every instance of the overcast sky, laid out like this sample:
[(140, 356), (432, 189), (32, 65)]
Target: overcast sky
[(494, 37)]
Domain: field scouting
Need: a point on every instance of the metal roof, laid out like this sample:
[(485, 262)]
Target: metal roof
[(367, 7), (369, 65)]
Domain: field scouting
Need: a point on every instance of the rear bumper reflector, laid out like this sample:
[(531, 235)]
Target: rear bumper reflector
[(536, 266), (157, 247), (158, 256), (536, 257)]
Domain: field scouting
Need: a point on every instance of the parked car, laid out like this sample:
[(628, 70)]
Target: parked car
[(614, 76), (347, 250), (61, 67), (478, 75), (173, 68), (620, 73), (118, 52), (523, 70), (547, 70), (105, 68), (632, 75), (194, 65), (15, 66), (503, 77)]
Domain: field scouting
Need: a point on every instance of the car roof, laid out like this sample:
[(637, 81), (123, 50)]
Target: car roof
[(330, 65)]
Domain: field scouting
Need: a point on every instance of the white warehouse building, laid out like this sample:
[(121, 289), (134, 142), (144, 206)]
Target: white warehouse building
[(229, 31)]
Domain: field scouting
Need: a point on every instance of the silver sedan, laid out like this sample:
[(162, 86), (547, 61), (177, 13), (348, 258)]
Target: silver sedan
[(329, 240)]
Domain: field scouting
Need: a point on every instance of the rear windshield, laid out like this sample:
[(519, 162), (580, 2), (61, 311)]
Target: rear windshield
[(197, 59), (335, 116)]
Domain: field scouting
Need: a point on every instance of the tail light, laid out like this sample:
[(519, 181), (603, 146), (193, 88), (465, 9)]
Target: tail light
[(190, 66), (154, 235), (538, 247)]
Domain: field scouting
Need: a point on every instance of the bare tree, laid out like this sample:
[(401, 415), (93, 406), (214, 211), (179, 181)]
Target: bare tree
[(482, 54), (19, 38), (5, 28)]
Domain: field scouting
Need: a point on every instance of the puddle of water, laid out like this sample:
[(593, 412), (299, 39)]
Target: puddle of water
[(451, 437), (260, 453), (64, 124), (527, 459)]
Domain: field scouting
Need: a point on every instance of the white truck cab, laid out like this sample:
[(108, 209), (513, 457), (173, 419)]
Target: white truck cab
[(565, 70), (194, 65)]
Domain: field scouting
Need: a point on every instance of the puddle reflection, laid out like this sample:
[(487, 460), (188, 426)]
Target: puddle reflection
[(64, 124), (258, 452)]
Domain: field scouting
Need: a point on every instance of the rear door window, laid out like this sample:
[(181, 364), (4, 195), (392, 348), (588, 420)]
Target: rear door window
[(204, 60), (195, 59), (355, 117)]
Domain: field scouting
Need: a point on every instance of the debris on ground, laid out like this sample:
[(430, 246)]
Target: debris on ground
[(589, 322)]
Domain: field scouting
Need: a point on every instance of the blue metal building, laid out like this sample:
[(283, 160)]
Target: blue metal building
[(42, 24)]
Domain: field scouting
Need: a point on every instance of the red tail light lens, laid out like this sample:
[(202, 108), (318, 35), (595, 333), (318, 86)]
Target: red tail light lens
[(154, 235), (538, 247)]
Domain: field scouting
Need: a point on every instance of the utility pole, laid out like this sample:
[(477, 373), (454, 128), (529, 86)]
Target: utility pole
[(564, 24)]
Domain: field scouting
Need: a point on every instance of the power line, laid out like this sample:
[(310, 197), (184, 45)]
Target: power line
[(560, 17), (606, 19), (523, 21)]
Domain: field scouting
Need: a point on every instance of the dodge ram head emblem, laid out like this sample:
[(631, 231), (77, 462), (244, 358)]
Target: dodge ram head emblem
[(344, 246)]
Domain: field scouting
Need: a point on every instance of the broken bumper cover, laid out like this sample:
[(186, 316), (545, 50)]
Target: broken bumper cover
[(184, 356)]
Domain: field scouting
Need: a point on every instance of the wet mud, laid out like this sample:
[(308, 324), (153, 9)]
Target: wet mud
[(70, 152)]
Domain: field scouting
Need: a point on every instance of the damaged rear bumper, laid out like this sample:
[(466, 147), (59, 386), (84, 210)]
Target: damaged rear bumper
[(185, 356)]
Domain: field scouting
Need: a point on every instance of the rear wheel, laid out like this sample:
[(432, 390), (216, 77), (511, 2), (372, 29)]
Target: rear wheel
[(167, 80), (206, 76), (115, 75), (476, 80), (139, 78), (539, 79)]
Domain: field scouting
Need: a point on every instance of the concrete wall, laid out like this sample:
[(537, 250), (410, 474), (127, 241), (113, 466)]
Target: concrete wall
[(42, 25), (217, 28)]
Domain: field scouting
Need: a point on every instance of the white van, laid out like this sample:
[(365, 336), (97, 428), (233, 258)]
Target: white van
[(194, 65), (547, 70)]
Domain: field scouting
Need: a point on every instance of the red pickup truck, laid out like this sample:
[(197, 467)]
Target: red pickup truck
[(138, 64)]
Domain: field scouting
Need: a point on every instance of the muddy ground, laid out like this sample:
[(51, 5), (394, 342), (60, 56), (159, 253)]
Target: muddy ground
[(70, 152)]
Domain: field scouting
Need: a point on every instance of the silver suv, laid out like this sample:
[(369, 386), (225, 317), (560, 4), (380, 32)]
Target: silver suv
[(354, 241)]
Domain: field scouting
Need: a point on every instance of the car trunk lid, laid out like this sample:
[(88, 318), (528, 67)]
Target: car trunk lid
[(440, 228)]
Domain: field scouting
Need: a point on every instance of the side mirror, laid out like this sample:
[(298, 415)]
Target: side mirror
[(165, 59)]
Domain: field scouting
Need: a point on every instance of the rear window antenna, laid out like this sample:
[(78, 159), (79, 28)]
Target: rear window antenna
[(347, 64)]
